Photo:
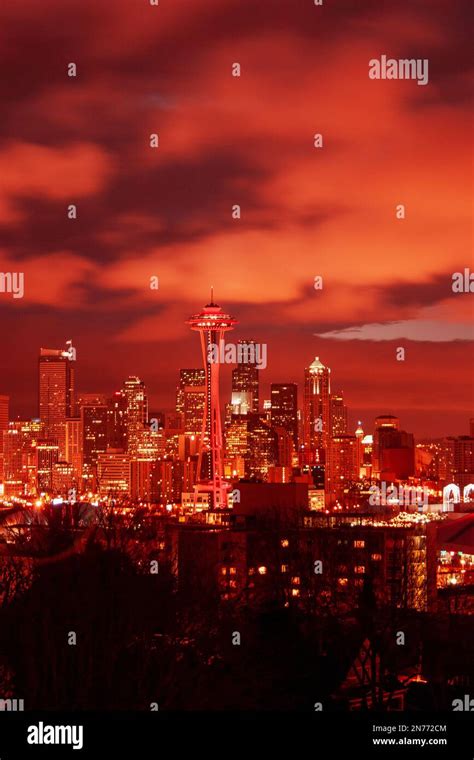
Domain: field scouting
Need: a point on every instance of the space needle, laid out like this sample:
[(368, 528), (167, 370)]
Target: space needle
[(211, 323)]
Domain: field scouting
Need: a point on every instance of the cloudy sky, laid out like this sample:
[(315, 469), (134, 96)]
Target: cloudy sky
[(223, 140)]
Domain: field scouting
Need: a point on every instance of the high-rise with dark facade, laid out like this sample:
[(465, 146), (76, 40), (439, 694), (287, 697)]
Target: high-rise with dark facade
[(56, 399), (191, 398), (137, 412), (284, 409)]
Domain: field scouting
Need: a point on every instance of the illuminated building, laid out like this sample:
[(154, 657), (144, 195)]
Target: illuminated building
[(316, 410), (366, 466), (245, 379), (262, 447), (284, 409), (359, 434), (47, 455), (211, 323), (56, 393), (137, 411), (113, 473), (338, 414), (74, 447), (190, 399), (94, 438), (237, 445), (117, 421), (19, 448), (398, 558), (342, 466), (4, 417)]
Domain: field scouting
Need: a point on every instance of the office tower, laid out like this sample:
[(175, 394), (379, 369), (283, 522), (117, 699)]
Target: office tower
[(245, 378), (117, 421), (284, 409), (94, 438), (338, 414), (211, 323), (137, 412), (317, 409), (285, 447), (4, 417), (56, 393), (19, 449), (190, 399), (342, 466), (236, 437), (262, 447), (113, 474), (74, 448), (47, 455), (359, 434)]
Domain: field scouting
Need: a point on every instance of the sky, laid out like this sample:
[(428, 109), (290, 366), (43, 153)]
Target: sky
[(306, 212)]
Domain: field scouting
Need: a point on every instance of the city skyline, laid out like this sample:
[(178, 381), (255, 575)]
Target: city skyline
[(355, 416)]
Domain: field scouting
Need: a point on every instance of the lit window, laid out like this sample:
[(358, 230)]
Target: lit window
[(251, 571), (359, 544), (223, 570), (262, 569), (359, 569), (285, 542), (232, 570), (295, 592), (284, 568), (342, 581), (233, 584), (295, 580), (376, 557)]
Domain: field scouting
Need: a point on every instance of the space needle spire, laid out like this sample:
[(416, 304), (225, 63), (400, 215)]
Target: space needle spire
[(211, 323)]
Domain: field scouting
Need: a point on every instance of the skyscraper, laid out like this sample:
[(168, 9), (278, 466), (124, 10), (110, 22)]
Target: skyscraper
[(245, 380), (342, 466), (94, 437), (19, 448), (190, 399), (317, 409), (117, 421), (56, 393), (284, 409), (211, 323), (338, 414), (137, 412)]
